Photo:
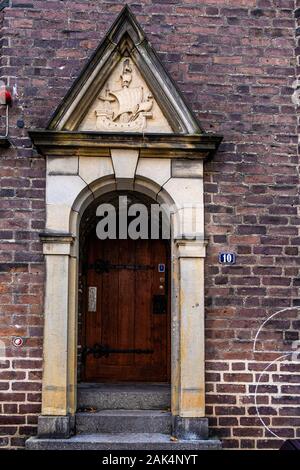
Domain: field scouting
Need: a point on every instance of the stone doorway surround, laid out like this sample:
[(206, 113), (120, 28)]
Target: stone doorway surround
[(84, 162)]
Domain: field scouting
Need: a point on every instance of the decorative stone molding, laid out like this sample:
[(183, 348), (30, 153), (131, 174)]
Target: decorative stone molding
[(83, 166), (94, 144)]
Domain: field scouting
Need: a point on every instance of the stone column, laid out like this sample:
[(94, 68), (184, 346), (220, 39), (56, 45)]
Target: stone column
[(188, 382), (58, 399)]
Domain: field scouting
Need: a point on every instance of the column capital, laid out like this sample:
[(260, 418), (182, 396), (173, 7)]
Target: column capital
[(191, 248), (56, 237), (56, 243)]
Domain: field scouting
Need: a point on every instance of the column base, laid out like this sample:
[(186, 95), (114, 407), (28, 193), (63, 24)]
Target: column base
[(189, 428), (56, 427)]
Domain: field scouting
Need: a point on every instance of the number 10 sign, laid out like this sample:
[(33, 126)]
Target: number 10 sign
[(227, 258)]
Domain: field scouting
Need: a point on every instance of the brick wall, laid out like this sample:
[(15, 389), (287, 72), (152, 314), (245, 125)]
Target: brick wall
[(235, 62), (252, 209)]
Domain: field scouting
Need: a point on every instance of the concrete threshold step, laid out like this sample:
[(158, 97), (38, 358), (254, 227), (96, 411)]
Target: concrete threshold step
[(126, 421), (123, 441), (130, 396)]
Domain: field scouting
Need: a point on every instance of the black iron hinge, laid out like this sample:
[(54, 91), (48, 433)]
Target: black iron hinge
[(103, 350)]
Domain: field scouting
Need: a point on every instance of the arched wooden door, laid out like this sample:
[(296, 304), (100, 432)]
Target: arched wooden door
[(127, 311)]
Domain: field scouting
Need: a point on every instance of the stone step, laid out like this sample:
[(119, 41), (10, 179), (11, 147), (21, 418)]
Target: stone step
[(124, 441), (143, 396), (126, 421)]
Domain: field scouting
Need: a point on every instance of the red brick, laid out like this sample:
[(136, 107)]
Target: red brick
[(238, 377), (7, 430), (11, 419), (231, 388), (12, 397), (251, 432)]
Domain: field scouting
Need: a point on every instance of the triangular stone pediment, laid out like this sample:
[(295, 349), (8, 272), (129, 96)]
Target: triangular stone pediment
[(124, 88), (125, 104)]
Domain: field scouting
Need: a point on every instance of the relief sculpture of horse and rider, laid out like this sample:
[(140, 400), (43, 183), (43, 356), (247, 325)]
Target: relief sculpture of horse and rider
[(125, 104)]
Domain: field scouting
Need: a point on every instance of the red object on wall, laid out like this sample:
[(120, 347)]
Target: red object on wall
[(5, 97)]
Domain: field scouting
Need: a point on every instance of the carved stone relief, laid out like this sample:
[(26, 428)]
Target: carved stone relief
[(125, 104)]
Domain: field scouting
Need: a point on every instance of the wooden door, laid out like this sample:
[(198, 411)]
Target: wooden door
[(127, 314)]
